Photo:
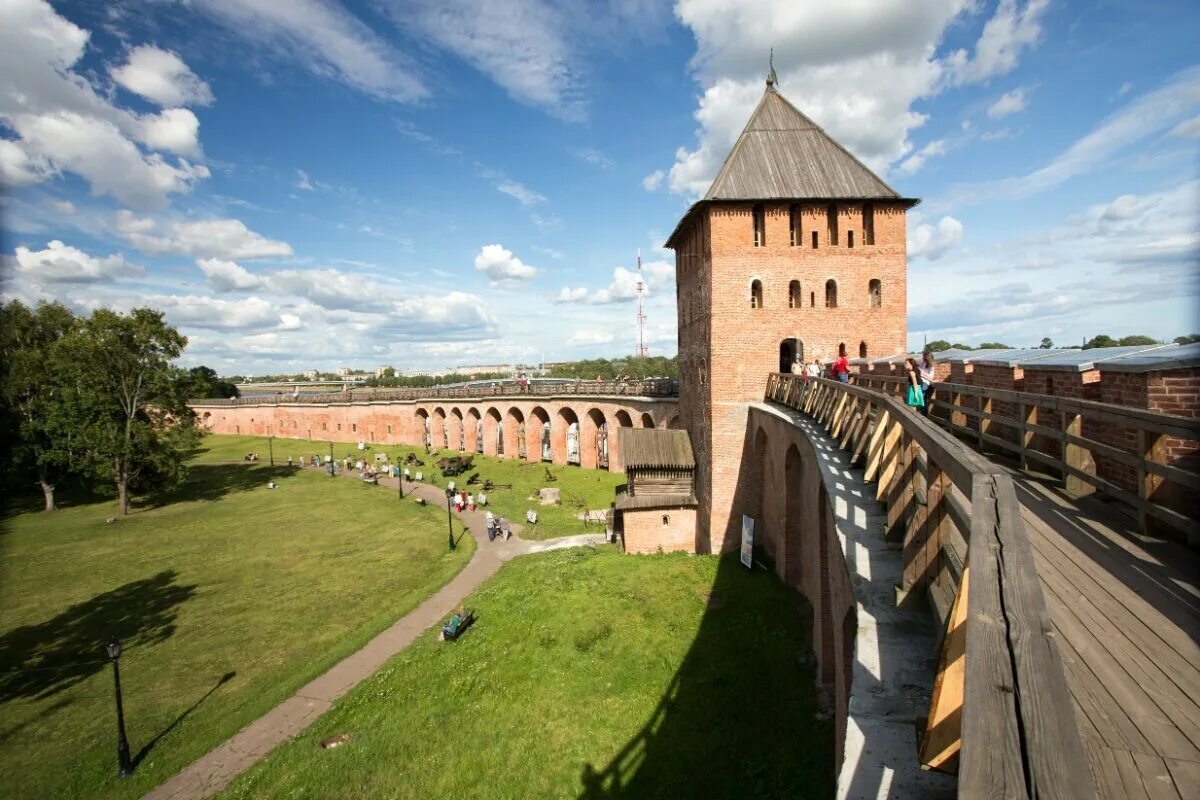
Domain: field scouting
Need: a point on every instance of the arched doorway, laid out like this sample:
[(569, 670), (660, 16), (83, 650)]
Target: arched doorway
[(789, 350), (493, 433), (421, 416), (595, 440), (457, 433), (440, 435), (474, 431), (647, 420), (514, 433), (537, 436), (567, 438)]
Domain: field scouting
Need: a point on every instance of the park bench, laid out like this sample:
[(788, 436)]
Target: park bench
[(459, 621)]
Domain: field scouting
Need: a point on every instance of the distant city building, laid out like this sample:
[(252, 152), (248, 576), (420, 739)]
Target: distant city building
[(380, 370), (312, 374), (344, 372)]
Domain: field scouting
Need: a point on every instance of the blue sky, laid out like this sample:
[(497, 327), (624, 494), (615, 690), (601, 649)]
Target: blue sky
[(314, 184)]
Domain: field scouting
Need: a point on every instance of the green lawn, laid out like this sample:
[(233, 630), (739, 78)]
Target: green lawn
[(594, 488), (228, 596), (588, 674)]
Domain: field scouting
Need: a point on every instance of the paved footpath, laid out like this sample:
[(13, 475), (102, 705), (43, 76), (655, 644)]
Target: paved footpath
[(214, 771)]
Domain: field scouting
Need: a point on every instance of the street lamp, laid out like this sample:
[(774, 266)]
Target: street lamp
[(124, 767), (400, 482), (331, 458), (271, 446), (449, 518)]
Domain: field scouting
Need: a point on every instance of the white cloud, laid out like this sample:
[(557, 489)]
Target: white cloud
[(594, 157), (1008, 103), (501, 266), (569, 295), (227, 239), (17, 168), (227, 276), (589, 337), (934, 242), (202, 311), (525, 195), (63, 124), (1188, 129), (1013, 28), (830, 63), (654, 180), (60, 263), (327, 40), (331, 289), (656, 275), (550, 252), (521, 46), (161, 77), (302, 181), (914, 162)]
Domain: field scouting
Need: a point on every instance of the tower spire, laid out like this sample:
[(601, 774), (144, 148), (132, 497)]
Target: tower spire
[(772, 78)]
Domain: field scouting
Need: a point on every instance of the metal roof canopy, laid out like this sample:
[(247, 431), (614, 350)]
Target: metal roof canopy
[(1085, 360), (1185, 356)]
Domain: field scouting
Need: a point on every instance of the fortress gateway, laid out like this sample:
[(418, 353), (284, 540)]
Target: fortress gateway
[(796, 248)]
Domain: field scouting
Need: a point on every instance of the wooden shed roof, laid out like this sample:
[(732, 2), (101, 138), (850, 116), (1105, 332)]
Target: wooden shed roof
[(649, 448)]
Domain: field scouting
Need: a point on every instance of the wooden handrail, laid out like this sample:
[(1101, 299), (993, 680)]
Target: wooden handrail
[(1019, 734)]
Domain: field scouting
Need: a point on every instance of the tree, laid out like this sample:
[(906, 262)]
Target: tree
[(129, 405), (1046, 344), (203, 383), (1195, 337), (959, 346), (1100, 341), (38, 437), (994, 346), (1128, 341), (937, 346)]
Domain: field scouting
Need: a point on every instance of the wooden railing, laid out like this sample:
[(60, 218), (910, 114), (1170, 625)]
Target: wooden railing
[(658, 387), (1001, 705)]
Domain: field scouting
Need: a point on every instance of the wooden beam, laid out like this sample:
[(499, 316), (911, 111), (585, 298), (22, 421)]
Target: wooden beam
[(1152, 448), (1076, 457), (875, 444), (942, 740)]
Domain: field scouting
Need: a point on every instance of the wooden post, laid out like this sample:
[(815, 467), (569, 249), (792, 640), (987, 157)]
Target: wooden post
[(942, 740), (900, 494), (923, 535), (1076, 456), (875, 446), (1029, 415), (985, 407), (957, 418), (1152, 447)]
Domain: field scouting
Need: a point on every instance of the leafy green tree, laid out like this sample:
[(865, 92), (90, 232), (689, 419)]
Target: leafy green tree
[(994, 346), (1127, 341), (128, 405), (203, 383), (960, 346), (38, 436), (938, 345), (1046, 344), (1100, 341), (1195, 337)]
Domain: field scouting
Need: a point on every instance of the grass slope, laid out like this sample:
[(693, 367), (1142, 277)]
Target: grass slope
[(594, 488), (225, 577), (588, 674)]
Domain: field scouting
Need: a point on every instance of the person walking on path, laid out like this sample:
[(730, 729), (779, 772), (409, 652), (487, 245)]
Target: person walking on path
[(915, 397)]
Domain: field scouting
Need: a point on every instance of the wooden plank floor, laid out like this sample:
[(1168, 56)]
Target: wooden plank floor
[(1126, 609)]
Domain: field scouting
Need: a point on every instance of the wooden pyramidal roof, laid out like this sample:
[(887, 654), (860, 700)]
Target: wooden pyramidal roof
[(651, 448), (784, 155)]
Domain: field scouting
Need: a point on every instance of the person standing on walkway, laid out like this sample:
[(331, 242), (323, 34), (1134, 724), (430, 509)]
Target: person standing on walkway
[(915, 398), (813, 370), (797, 368), (927, 370), (841, 367)]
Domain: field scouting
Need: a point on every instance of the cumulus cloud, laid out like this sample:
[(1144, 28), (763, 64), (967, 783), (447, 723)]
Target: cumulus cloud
[(63, 124), (331, 289), (589, 337), (161, 77), (227, 276), (654, 180), (830, 63), (227, 239), (623, 286), (1008, 103), (326, 39), (202, 311), (60, 263), (932, 242), (914, 162), (501, 266)]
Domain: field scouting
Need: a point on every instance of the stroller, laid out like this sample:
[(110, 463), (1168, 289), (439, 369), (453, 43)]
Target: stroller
[(505, 528)]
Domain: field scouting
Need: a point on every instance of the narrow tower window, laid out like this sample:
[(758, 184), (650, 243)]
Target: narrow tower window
[(760, 226), (862, 349), (756, 294), (812, 299), (794, 226), (795, 296), (831, 293), (875, 291), (832, 221), (849, 238), (814, 240), (868, 224)]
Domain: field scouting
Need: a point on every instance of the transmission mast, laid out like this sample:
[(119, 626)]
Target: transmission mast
[(642, 349)]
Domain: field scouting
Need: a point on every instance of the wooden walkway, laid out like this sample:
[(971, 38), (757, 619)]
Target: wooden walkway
[(1126, 610)]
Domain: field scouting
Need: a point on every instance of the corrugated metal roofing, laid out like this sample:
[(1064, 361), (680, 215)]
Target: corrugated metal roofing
[(656, 447), (1185, 356), (783, 154), (1084, 360)]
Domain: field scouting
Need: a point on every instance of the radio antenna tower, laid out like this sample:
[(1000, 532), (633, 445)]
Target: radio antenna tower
[(642, 349)]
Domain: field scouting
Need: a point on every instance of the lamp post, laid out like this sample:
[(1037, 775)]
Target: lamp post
[(400, 481), (271, 446), (449, 519), (331, 458), (124, 768)]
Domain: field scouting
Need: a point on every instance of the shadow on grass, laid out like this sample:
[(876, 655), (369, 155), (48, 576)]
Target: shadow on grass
[(740, 717), (214, 481), (145, 751), (39, 661)]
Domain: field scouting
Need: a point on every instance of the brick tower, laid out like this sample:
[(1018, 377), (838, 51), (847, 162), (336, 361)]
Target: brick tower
[(796, 248)]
